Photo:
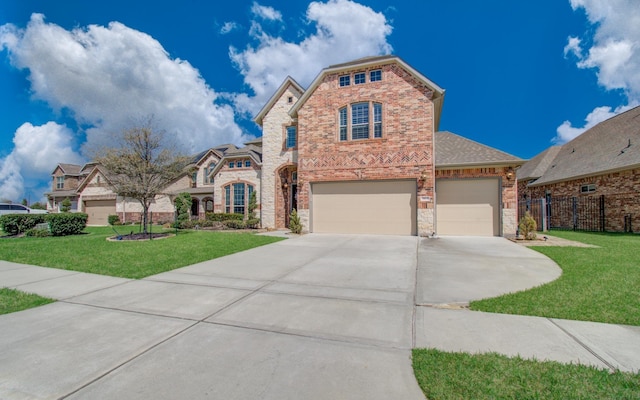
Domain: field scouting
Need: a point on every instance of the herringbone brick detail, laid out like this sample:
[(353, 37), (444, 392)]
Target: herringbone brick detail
[(370, 160)]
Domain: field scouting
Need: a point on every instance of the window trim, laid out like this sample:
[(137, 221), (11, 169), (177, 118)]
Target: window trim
[(588, 188), (287, 137), (374, 125)]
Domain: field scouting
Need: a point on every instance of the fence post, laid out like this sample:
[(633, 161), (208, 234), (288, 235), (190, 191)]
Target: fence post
[(574, 211), (545, 217), (602, 227)]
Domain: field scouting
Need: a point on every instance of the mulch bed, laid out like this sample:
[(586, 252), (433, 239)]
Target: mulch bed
[(140, 236)]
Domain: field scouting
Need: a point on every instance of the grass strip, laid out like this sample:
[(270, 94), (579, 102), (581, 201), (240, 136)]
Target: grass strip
[(443, 375), (597, 284), (12, 300)]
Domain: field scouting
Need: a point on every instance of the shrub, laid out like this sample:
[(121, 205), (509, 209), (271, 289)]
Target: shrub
[(14, 224), (221, 217), (235, 224), (34, 232), (253, 204), (114, 220), (294, 222), (65, 206), (528, 226), (66, 223), (183, 208), (253, 223)]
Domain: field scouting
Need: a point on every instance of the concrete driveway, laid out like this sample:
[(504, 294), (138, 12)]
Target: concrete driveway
[(315, 317)]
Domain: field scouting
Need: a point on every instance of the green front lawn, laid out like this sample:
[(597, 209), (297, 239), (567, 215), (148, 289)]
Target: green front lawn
[(444, 375), (127, 259), (597, 284), (12, 300)]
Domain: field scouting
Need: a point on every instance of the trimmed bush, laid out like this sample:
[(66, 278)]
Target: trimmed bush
[(113, 220), (14, 224), (253, 223), (221, 217), (37, 232), (235, 224), (528, 226), (66, 223), (294, 222)]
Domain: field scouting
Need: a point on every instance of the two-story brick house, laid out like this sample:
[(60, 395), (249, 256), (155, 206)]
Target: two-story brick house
[(357, 152)]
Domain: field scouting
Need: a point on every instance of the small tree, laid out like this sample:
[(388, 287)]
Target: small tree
[(528, 226), (141, 165), (38, 206), (24, 202), (183, 208), (253, 204), (65, 205), (294, 222)]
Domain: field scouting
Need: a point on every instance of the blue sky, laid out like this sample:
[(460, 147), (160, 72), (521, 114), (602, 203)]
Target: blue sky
[(519, 76)]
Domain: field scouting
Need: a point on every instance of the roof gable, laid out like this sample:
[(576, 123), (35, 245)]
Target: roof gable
[(438, 92), (611, 145), (536, 167), (454, 150), (288, 82), (68, 169), (97, 169)]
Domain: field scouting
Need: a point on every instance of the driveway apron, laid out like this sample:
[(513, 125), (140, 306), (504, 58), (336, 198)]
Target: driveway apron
[(316, 317)]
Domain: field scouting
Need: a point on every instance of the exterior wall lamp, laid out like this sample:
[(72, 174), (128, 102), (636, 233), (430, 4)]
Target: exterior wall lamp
[(424, 176), (509, 173)]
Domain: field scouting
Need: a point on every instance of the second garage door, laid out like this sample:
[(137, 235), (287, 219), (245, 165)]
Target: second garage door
[(468, 207), (375, 207), (99, 211)]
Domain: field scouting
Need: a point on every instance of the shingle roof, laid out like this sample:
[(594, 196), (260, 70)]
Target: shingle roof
[(454, 150), (612, 145), (535, 168), (70, 169)]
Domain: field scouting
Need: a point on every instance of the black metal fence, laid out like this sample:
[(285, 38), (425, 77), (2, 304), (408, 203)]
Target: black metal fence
[(610, 213)]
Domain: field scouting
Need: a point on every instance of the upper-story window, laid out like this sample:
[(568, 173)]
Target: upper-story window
[(365, 118), (590, 188), (239, 164), (247, 164), (208, 179), (375, 75), (345, 80), (291, 137), (232, 164), (60, 182), (360, 78)]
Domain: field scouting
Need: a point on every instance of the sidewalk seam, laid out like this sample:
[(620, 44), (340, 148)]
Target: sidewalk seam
[(584, 345)]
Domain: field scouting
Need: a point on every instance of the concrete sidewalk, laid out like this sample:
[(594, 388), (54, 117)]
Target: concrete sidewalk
[(314, 317)]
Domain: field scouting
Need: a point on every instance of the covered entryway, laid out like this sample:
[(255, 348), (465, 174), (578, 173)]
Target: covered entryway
[(371, 207), (468, 207), (99, 211)]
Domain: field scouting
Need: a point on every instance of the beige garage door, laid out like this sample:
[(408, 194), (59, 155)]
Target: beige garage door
[(468, 207), (99, 211), (376, 207)]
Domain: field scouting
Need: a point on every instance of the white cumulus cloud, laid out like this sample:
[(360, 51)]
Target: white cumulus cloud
[(265, 12), (37, 150), (613, 51), (344, 30), (109, 76)]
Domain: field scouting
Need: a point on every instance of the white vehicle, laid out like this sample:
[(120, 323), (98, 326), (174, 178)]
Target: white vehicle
[(6, 208)]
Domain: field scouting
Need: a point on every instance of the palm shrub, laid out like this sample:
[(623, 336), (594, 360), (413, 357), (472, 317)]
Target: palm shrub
[(294, 222), (528, 226)]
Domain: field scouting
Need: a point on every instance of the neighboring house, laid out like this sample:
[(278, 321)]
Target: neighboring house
[(65, 181), (357, 152), (602, 162)]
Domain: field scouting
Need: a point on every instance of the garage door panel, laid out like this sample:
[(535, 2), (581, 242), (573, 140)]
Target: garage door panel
[(381, 207), (468, 207), (98, 211)]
